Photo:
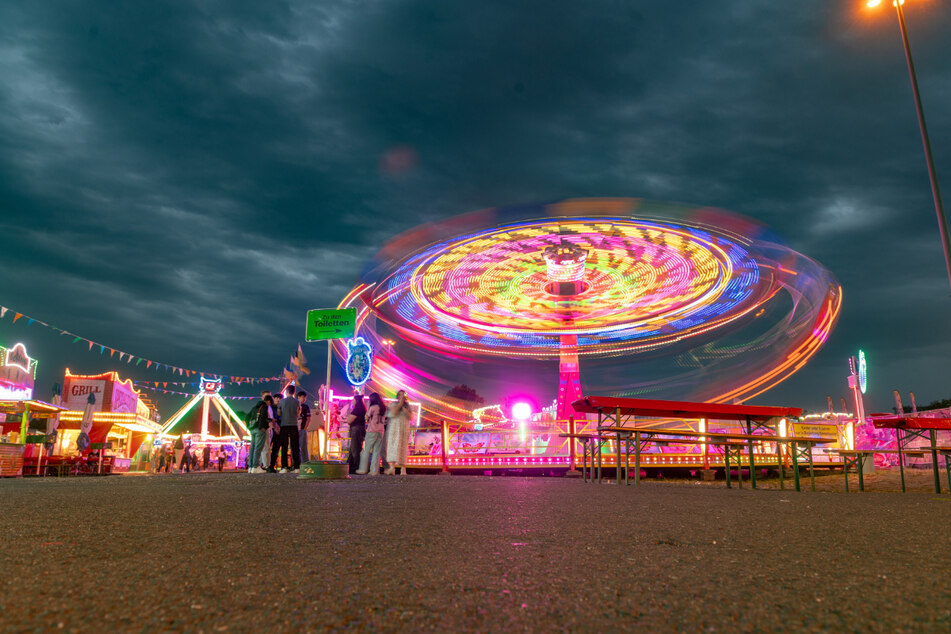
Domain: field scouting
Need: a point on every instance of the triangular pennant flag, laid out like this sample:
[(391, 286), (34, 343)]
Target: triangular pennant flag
[(112, 352), (139, 361), (102, 348), (15, 317), (148, 365), (90, 344), (75, 339), (3, 311), (30, 321)]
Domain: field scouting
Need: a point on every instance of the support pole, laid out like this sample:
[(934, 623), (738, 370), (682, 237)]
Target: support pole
[(932, 174), (617, 448), (445, 448), (749, 431), (901, 461), (572, 451), (637, 458), (204, 418), (934, 460), (703, 439), (327, 404), (571, 443)]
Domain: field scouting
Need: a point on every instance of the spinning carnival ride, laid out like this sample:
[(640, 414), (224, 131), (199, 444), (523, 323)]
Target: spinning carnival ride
[(644, 299)]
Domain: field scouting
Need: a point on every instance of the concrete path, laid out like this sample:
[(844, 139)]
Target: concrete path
[(262, 553)]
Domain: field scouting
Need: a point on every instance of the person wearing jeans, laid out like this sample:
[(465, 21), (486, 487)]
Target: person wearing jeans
[(358, 429), (374, 438), (259, 423), (304, 425), (288, 433)]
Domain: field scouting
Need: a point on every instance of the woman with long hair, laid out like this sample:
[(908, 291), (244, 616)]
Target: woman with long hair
[(397, 434), (374, 438)]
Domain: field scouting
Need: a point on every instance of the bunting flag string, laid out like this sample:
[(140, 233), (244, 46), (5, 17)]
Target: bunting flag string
[(129, 358), (165, 384), (158, 389)]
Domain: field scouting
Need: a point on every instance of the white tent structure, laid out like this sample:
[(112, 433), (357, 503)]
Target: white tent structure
[(208, 395)]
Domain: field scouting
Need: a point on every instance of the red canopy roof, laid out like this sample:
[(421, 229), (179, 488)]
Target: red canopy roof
[(682, 409), (910, 422)]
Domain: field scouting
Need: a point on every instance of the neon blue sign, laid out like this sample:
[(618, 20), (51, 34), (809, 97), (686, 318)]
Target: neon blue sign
[(359, 361)]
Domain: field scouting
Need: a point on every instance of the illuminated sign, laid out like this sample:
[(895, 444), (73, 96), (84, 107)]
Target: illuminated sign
[(359, 361), (124, 398), (210, 386), (862, 372), (17, 356), (112, 393), (12, 393), (17, 370), (330, 323), (76, 389)]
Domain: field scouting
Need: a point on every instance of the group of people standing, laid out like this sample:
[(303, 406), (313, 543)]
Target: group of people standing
[(279, 424), (379, 434), (184, 458)]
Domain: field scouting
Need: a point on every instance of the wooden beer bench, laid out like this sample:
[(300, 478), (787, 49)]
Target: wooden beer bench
[(617, 415), (800, 448), (856, 458), (589, 444), (592, 443)]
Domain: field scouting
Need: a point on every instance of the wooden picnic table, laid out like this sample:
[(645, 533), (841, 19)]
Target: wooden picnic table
[(621, 413), (647, 433), (907, 429), (856, 458)]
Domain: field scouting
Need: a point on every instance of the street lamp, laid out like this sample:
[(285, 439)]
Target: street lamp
[(935, 191)]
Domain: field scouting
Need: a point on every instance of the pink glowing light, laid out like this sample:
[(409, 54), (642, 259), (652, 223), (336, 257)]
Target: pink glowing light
[(521, 411)]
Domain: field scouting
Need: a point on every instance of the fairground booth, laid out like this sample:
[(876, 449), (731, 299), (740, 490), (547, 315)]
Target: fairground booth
[(118, 421), (22, 418)]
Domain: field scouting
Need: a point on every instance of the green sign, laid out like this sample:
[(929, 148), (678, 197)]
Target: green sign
[(323, 323)]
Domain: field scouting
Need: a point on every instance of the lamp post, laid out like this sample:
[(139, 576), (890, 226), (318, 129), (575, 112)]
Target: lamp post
[(935, 190)]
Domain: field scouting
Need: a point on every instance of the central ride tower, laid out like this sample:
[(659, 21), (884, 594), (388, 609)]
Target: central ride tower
[(565, 266)]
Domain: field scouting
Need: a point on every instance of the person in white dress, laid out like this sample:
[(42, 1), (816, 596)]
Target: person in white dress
[(397, 434)]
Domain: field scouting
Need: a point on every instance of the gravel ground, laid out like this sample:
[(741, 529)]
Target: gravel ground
[(256, 553)]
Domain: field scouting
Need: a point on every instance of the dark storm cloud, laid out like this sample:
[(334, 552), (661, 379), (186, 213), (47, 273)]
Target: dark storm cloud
[(184, 180)]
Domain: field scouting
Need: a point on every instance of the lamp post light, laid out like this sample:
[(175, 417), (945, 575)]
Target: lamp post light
[(932, 174)]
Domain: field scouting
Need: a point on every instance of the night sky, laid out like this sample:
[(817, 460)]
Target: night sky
[(183, 180)]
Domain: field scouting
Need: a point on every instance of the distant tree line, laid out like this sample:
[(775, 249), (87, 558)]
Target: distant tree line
[(943, 403), (465, 393)]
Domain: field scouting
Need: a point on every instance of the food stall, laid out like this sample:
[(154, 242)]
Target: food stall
[(19, 412), (122, 421)]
